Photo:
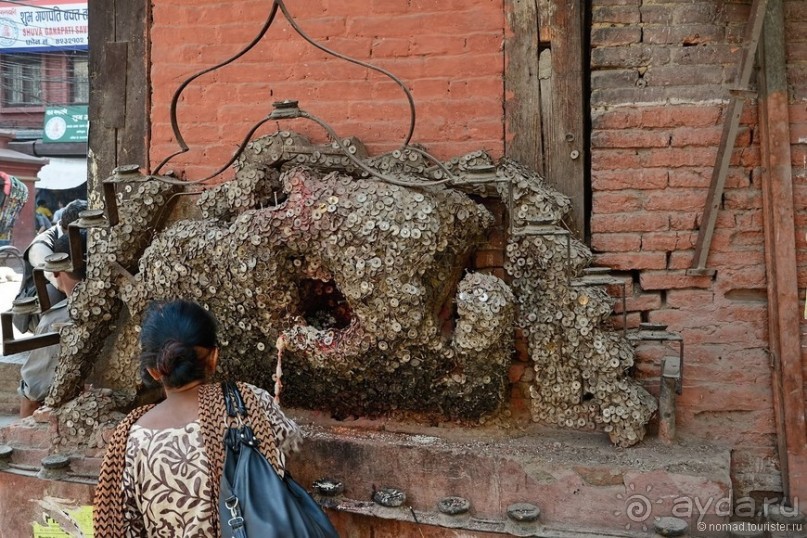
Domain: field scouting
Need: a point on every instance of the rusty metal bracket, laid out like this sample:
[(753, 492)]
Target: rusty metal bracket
[(28, 343), (653, 332), (739, 93)]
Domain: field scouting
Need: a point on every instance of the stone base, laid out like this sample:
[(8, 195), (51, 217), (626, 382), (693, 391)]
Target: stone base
[(578, 480), (9, 382), (583, 486)]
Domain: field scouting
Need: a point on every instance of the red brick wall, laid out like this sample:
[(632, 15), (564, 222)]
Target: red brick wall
[(658, 74), (449, 53), (659, 70)]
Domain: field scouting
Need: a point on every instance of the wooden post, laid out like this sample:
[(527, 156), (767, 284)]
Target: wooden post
[(119, 87), (522, 87), (670, 376), (780, 256), (546, 88), (567, 142)]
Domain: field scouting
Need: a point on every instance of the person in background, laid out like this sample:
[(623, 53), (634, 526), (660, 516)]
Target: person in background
[(43, 215), (39, 368), (43, 209), (161, 471), (35, 254), (58, 213)]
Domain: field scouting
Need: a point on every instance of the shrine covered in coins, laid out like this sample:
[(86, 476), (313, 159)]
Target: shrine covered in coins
[(444, 229)]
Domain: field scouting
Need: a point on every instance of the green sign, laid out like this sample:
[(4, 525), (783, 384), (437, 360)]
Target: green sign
[(66, 124)]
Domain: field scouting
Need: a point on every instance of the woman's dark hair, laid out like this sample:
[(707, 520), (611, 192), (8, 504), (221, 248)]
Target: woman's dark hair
[(170, 336)]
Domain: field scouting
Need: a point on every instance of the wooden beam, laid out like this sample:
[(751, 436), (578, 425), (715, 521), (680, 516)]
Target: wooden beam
[(567, 141), (119, 86), (524, 139), (728, 137), (780, 256)]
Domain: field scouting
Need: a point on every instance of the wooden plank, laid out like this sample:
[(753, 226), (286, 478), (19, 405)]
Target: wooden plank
[(119, 87), (544, 21), (566, 142), (670, 377), (130, 26), (102, 142), (113, 105), (545, 83), (780, 257), (729, 136), (524, 142), (29, 343)]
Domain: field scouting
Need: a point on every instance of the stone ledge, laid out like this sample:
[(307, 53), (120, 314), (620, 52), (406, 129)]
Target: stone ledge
[(577, 479), (10, 381), (573, 477)]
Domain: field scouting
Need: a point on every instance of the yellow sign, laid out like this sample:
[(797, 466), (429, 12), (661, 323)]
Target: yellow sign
[(75, 523)]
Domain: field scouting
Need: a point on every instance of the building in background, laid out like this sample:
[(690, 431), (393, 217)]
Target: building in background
[(44, 94)]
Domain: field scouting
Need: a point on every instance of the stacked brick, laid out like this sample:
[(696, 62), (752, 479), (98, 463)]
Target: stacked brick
[(454, 74), (659, 74)]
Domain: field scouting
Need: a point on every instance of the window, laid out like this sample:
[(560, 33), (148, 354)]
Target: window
[(21, 79), (79, 74)]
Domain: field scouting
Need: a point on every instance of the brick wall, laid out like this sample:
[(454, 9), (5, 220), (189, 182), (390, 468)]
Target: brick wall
[(658, 74), (448, 53)]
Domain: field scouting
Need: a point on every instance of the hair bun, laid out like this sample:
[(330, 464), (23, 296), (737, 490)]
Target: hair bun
[(172, 352)]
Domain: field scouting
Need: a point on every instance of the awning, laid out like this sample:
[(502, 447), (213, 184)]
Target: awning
[(62, 173)]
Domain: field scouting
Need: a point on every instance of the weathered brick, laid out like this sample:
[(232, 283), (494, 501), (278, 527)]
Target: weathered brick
[(614, 78), (690, 298), (632, 56), (742, 199), (667, 280), (615, 159), (629, 222), (706, 54), (683, 34), (620, 14), (681, 116), (633, 178), (678, 14), (615, 35), (631, 321), (687, 221), (626, 261), (639, 303), (616, 118), (617, 201), (638, 138), (675, 200), (679, 157), (668, 241), (681, 259), (674, 75), (616, 242)]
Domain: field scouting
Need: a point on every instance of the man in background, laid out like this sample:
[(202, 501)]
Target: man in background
[(35, 254), (40, 367)]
